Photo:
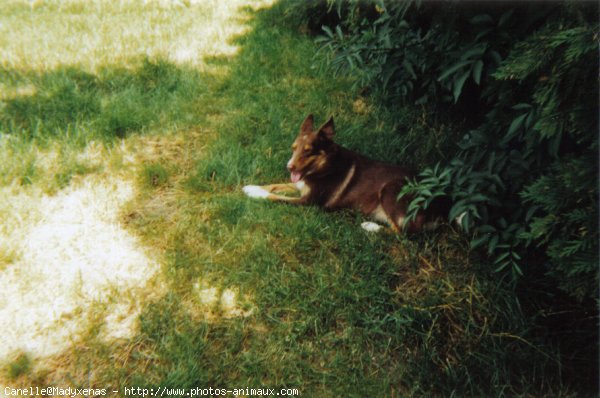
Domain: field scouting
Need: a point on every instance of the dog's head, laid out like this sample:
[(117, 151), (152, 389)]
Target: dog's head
[(312, 149)]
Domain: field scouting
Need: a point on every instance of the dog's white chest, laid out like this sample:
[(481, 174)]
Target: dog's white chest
[(302, 188)]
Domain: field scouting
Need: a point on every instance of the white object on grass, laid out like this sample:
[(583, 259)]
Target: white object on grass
[(370, 226), (254, 191)]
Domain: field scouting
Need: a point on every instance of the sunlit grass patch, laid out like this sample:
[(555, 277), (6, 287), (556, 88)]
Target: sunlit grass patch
[(71, 252), (92, 35), (81, 116), (64, 231), (214, 303)]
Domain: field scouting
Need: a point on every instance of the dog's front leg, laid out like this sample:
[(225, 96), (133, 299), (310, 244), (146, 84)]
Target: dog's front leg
[(287, 199), (264, 192), (288, 187)]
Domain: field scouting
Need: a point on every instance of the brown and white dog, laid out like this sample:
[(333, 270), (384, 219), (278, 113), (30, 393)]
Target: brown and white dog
[(333, 177)]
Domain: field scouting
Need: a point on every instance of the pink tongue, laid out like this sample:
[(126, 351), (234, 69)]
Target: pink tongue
[(295, 176)]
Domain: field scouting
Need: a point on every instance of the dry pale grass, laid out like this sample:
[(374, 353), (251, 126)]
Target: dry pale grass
[(71, 252), (211, 304), (94, 34), (68, 264)]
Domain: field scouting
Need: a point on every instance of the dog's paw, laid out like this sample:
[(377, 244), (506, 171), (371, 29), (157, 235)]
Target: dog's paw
[(370, 226), (254, 191)]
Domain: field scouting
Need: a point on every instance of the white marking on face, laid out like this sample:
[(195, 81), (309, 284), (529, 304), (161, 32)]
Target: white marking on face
[(292, 160), (254, 191)]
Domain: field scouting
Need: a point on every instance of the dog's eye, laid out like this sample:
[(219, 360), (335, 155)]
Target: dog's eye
[(307, 148), (294, 146)]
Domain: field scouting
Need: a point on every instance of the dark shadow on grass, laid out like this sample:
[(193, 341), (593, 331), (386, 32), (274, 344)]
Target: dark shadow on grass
[(345, 314), (438, 321), (108, 105)]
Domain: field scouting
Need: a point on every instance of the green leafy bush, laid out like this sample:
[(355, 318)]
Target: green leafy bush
[(522, 79)]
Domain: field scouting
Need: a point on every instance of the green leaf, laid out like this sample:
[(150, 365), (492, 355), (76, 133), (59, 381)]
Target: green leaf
[(496, 56), (458, 208), (486, 229), (477, 69), (554, 144), (478, 198), (502, 266), (453, 69), (521, 106), (466, 221), (516, 267), (529, 120), (493, 244), (407, 65), (501, 257), (476, 51), (479, 241), (530, 212), (445, 173), (327, 31), (483, 33), (338, 29), (514, 127), (458, 85)]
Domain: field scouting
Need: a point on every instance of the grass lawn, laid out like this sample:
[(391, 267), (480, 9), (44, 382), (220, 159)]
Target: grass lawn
[(131, 257)]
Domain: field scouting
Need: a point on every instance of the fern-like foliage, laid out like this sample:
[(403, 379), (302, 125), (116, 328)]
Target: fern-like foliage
[(525, 177)]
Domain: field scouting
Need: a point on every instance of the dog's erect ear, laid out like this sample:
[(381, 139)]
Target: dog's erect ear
[(328, 129), (307, 124)]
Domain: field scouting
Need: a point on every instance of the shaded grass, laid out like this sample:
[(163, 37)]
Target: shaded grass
[(112, 103), (72, 109), (338, 312), (332, 311)]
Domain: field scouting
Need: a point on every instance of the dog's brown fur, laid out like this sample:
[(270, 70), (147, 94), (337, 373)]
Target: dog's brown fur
[(333, 177)]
